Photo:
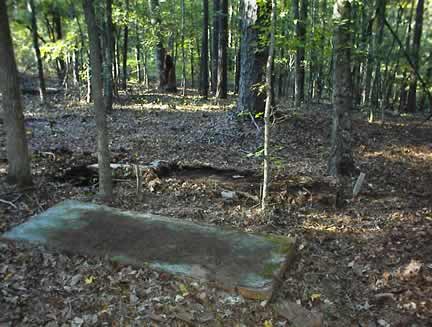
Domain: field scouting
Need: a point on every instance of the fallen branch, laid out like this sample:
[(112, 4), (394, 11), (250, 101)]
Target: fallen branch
[(248, 196), (8, 203), (18, 191)]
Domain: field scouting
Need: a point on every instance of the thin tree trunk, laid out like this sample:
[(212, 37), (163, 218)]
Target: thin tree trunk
[(61, 64), (301, 13), (125, 50), (415, 48), (267, 111), (42, 88), (215, 45), (16, 144), (182, 5), (146, 77), (204, 75), (76, 65), (403, 88), (192, 67), (237, 69), (105, 178), (378, 40), (222, 73), (89, 83)]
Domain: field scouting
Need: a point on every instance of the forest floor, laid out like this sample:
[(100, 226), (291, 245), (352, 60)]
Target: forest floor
[(368, 264)]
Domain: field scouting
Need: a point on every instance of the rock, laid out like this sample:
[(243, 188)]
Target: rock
[(297, 315), (229, 195), (77, 322), (383, 323), (179, 298)]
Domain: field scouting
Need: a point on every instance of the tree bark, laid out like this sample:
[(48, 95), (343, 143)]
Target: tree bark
[(160, 50), (204, 75), (108, 64), (415, 48), (125, 50), (16, 144), (254, 53), (222, 73), (341, 163), (104, 160), (34, 32)]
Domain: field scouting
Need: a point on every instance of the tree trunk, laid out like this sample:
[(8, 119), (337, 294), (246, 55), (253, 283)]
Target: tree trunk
[(76, 63), (192, 67), (267, 112), (34, 31), (108, 67), (182, 5), (222, 69), (415, 49), (301, 15), (378, 40), (61, 65), (169, 77), (104, 160), (16, 143), (204, 78), (237, 69), (215, 45), (125, 50), (341, 163), (89, 83), (254, 53), (146, 77), (404, 85), (160, 50)]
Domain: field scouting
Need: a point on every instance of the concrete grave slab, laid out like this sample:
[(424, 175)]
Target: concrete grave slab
[(233, 259)]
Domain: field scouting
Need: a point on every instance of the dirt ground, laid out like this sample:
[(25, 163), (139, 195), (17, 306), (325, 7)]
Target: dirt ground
[(368, 264)]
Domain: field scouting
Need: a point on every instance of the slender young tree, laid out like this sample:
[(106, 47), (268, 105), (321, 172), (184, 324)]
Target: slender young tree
[(254, 52), (378, 41), (222, 73), (57, 22), (104, 160), (16, 145), (300, 13), (267, 111), (34, 31), (182, 5), (204, 80), (341, 163), (215, 45), (412, 94), (125, 49)]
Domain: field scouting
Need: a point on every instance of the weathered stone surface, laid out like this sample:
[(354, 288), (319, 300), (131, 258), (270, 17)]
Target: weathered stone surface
[(233, 259), (297, 315)]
